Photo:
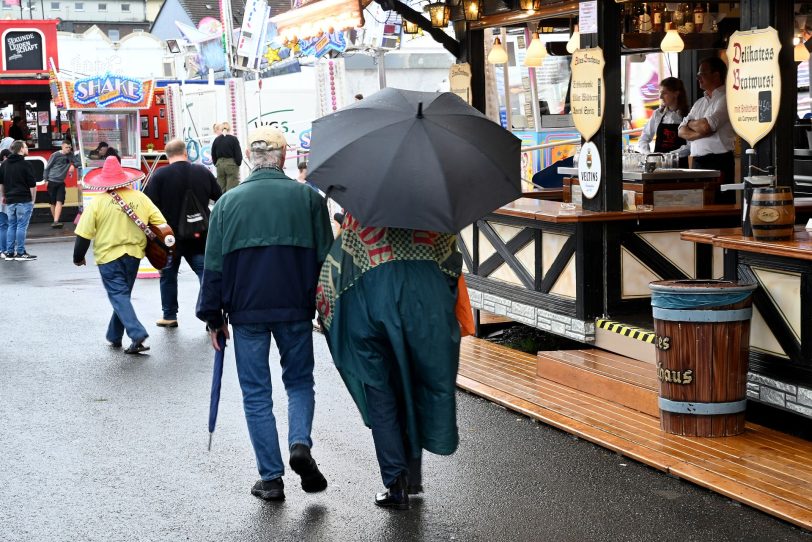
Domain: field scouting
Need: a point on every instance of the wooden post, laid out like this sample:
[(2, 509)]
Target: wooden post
[(609, 138), (776, 149), (475, 49)]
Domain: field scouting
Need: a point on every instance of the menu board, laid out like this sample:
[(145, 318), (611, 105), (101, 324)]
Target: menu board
[(587, 91), (753, 85), (23, 50)]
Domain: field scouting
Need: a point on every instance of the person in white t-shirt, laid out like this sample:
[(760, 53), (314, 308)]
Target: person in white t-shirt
[(707, 127)]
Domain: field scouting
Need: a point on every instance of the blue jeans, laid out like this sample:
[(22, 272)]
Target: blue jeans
[(169, 283), (118, 278), (3, 231), (252, 345), (19, 215)]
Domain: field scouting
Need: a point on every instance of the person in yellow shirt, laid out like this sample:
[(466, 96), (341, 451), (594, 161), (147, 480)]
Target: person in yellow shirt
[(118, 245)]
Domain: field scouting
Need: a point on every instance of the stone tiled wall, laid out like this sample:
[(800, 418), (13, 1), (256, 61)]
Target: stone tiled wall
[(560, 324), (774, 392)]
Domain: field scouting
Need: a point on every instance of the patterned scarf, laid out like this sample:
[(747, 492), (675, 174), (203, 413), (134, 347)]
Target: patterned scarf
[(363, 248)]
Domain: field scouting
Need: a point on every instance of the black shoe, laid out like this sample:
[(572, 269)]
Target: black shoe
[(305, 466), (24, 257), (115, 344), (396, 496), (56, 225), (136, 348), (271, 490)]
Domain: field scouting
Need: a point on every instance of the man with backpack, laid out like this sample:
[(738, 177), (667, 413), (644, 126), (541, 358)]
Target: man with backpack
[(182, 190)]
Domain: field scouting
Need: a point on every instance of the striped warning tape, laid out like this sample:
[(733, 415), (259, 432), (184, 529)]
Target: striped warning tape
[(627, 331)]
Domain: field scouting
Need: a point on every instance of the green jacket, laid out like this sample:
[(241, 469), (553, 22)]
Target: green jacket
[(266, 242)]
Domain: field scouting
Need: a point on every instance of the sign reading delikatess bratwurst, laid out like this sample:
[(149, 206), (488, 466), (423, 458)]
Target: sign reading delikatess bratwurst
[(23, 50), (753, 85), (587, 91)]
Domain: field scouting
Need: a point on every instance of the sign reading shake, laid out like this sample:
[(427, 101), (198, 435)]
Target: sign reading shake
[(587, 92), (753, 85)]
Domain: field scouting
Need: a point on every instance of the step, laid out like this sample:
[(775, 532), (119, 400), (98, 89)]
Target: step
[(626, 381), (626, 340)]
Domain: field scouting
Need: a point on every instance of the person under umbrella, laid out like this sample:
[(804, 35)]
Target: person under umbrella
[(387, 291)]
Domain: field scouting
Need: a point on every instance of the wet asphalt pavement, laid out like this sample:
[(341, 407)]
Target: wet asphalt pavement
[(98, 445)]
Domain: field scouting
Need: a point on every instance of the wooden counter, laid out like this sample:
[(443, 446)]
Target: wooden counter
[(731, 238), (551, 211)]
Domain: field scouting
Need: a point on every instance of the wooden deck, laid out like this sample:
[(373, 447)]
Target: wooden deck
[(762, 468)]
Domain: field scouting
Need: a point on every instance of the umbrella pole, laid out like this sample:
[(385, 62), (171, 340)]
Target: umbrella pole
[(210, 436)]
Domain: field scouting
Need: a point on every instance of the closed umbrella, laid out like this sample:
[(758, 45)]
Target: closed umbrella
[(417, 160), (216, 382)]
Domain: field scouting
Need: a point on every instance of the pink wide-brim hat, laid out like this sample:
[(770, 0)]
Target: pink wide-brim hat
[(112, 175)]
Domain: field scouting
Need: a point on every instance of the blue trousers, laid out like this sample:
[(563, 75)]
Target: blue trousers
[(19, 215), (252, 345), (118, 278), (3, 231), (169, 282)]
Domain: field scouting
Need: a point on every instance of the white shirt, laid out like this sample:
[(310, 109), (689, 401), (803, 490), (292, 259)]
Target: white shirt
[(713, 108), (665, 115)]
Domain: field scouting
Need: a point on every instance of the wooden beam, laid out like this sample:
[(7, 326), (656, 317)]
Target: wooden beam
[(451, 45)]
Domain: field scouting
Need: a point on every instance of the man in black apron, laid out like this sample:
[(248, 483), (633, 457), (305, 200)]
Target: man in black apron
[(707, 127)]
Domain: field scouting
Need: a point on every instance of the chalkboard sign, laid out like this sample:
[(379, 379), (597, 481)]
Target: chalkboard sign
[(23, 50)]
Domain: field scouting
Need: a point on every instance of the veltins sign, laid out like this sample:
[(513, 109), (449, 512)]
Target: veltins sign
[(24, 50), (587, 92), (753, 85), (589, 170)]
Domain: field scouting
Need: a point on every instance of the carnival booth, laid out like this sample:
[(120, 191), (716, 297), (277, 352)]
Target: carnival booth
[(29, 51)]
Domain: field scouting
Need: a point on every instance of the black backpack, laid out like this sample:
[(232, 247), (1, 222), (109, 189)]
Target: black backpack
[(193, 223)]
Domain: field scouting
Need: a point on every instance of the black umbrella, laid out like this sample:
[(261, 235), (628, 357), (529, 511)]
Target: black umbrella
[(216, 381), (418, 160)]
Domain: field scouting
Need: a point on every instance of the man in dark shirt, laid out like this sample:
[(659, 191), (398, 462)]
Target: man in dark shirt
[(226, 155), (18, 188), (167, 189), (19, 129)]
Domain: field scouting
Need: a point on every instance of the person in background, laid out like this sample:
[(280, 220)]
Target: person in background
[(5, 153), (267, 240), (663, 126), (707, 127), (302, 178), (18, 190), (118, 245), (19, 129), (55, 173), (100, 152), (112, 151), (5, 143), (168, 189), (386, 298), (226, 155)]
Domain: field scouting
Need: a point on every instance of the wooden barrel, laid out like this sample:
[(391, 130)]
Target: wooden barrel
[(703, 338), (772, 214)]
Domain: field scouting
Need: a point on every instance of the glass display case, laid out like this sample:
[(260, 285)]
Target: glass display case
[(101, 133)]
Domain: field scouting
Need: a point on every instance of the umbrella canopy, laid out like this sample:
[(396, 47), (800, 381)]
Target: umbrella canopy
[(418, 160), (216, 382)]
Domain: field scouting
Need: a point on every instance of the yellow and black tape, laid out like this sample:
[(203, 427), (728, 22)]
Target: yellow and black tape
[(627, 331)]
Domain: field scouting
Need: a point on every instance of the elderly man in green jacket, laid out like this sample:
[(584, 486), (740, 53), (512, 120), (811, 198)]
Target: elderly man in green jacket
[(267, 240)]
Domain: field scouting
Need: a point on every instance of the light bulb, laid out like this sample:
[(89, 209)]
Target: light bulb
[(672, 42), (498, 55), (801, 53), (574, 41), (536, 52)]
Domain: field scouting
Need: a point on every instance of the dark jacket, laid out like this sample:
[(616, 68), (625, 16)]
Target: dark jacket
[(267, 240), (226, 146), (17, 178), (167, 187)]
